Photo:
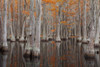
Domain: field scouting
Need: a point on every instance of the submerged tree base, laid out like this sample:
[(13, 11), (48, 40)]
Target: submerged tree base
[(79, 39), (8, 39), (27, 54), (44, 40), (12, 39), (97, 45), (63, 39), (22, 39), (85, 41), (4, 49), (88, 52), (17, 38), (89, 56), (50, 39), (58, 39), (36, 52), (35, 55)]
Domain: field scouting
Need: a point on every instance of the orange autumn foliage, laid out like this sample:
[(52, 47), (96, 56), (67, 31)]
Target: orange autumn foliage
[(35, 14), (41, 35), (64, 11), (73, 36), (53, 42), (53, 30), (50, 1), (25, 12), (63, 22)]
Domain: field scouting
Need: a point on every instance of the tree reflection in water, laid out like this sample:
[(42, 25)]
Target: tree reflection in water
[(53, 54)]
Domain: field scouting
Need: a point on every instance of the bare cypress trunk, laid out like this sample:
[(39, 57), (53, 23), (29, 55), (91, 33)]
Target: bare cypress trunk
[(98, 32), (36, 48), (23, 27), (44, 22), (92, 29), (12, 24), (5, 46), (58, 25), (98, 27), (84, 24), (50, 28), (67, 20), (32, 21), (22, 36), (31, 29), (19, 19), (11, 29), (0, 25), (79, 23), (9, 18), (47, 35)]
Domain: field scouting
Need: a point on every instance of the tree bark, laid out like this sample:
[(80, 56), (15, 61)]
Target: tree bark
[(58, 25), (5, 25), (84, 24), (36, 48), (79, 23)]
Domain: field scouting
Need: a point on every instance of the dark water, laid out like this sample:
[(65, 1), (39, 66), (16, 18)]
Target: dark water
[(65, 54)]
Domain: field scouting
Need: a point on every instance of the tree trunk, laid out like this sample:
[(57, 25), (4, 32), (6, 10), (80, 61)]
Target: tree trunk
[(0, 25), (19, 19), (24, 21), (44, 22), (97, 27), (58, 25), (97, 32), (22, 36), (79, 23), (36, 48), (84, 24), (12, 26), (5, 46)]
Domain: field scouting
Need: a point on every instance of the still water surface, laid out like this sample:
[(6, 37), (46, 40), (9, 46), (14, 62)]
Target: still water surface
[(65, 54)]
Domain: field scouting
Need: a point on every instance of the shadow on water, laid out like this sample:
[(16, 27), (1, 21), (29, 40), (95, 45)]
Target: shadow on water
[(67, 53)]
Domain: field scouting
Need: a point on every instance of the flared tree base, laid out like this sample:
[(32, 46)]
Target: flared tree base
[(63, 39), (17, 38), (79, 39), (22, 39), (8, 39), (85, 42), (4, 49), (58, 39), (27, 54), (44, 40), (50, 39), (12, 39), (36, 52), (96, 44), (89, 56), (89, 52)]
